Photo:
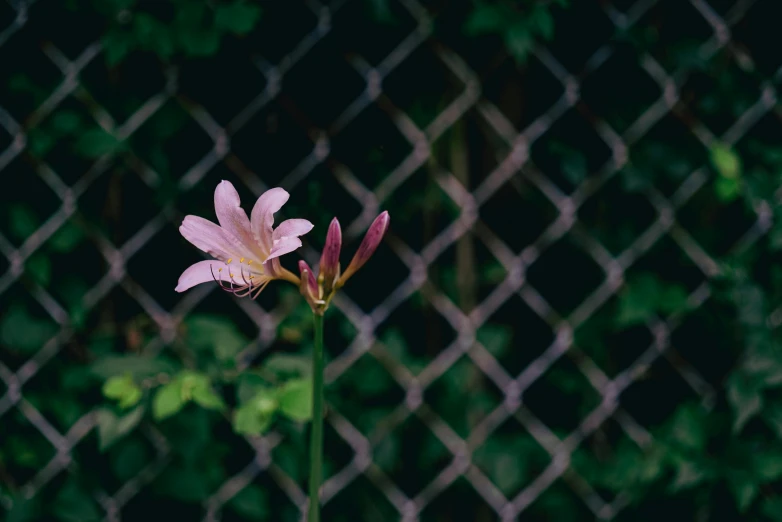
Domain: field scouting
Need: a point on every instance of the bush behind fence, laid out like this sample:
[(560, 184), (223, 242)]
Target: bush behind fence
[(575, 314)]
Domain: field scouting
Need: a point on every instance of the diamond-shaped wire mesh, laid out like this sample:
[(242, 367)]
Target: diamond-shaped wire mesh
[(467, 152)]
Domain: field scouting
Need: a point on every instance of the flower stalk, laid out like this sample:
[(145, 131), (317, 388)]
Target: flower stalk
[(318, 290), (316, 437)]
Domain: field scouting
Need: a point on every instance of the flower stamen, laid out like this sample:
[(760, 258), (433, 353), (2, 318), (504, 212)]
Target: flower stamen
[(241, 270), (220, 281)]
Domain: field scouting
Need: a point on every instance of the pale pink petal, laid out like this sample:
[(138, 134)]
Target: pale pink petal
[(262, 216), (292, 228), (232, 218), (284, 246), (198, 273), (212, 239)]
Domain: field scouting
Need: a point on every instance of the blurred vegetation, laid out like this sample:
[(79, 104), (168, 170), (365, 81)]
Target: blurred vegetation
[(705, 419)]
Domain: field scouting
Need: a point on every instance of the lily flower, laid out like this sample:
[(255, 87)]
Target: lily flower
[(246, 251), (319, 289)]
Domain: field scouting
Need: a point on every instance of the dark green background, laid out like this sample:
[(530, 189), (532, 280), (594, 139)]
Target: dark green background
[(696, 434)]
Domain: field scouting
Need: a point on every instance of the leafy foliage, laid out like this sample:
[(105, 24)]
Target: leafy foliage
[(211, 384), (194, 30), (518, 23)]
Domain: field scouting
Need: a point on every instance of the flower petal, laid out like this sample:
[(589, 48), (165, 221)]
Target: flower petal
[(211, 238), (198, 273), (292, 228), (308, 280), (284, 246), (233, 219), (262, 216)]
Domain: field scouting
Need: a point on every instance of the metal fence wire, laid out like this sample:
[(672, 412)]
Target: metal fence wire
[(329, 102)]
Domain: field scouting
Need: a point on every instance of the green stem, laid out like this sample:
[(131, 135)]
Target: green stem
[(316, 441)]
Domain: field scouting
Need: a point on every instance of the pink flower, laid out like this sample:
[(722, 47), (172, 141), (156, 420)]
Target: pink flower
[(246, 251), (319, 289)]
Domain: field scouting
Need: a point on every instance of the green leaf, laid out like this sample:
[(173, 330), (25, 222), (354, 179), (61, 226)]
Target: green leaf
[(66, 121), (200, 42), (111, 427), (519, 43), (486, 18), (206, 397), (255, 416), (542, 19), (296, 399), (652, 465), (727, 189), (764, 363), (638, 301), (574, 166), (248, 385), (40, 142), (645, 296), (67, 237), (744, 490), (725, 161), (123, 389), (768, 465), (152, 34), (688, 474), (634, 179), (284, 365), (237, 17), (208, 333), (688, 428), (251, 503), (746, 400), (72, 504), (186, 386), (117, 44), (95, 143), (22, 332), (168, 400), (672, 299), (496, 338), (40, 268), (23, 222)]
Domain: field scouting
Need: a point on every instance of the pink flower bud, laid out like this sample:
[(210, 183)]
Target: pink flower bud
[(368, 246), (329, 260), (309, 286)]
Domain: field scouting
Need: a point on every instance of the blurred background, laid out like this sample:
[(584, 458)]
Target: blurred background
[(574, 316)]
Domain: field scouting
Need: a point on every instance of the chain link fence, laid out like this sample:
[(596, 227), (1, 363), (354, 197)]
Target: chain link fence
[(325, 107)]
